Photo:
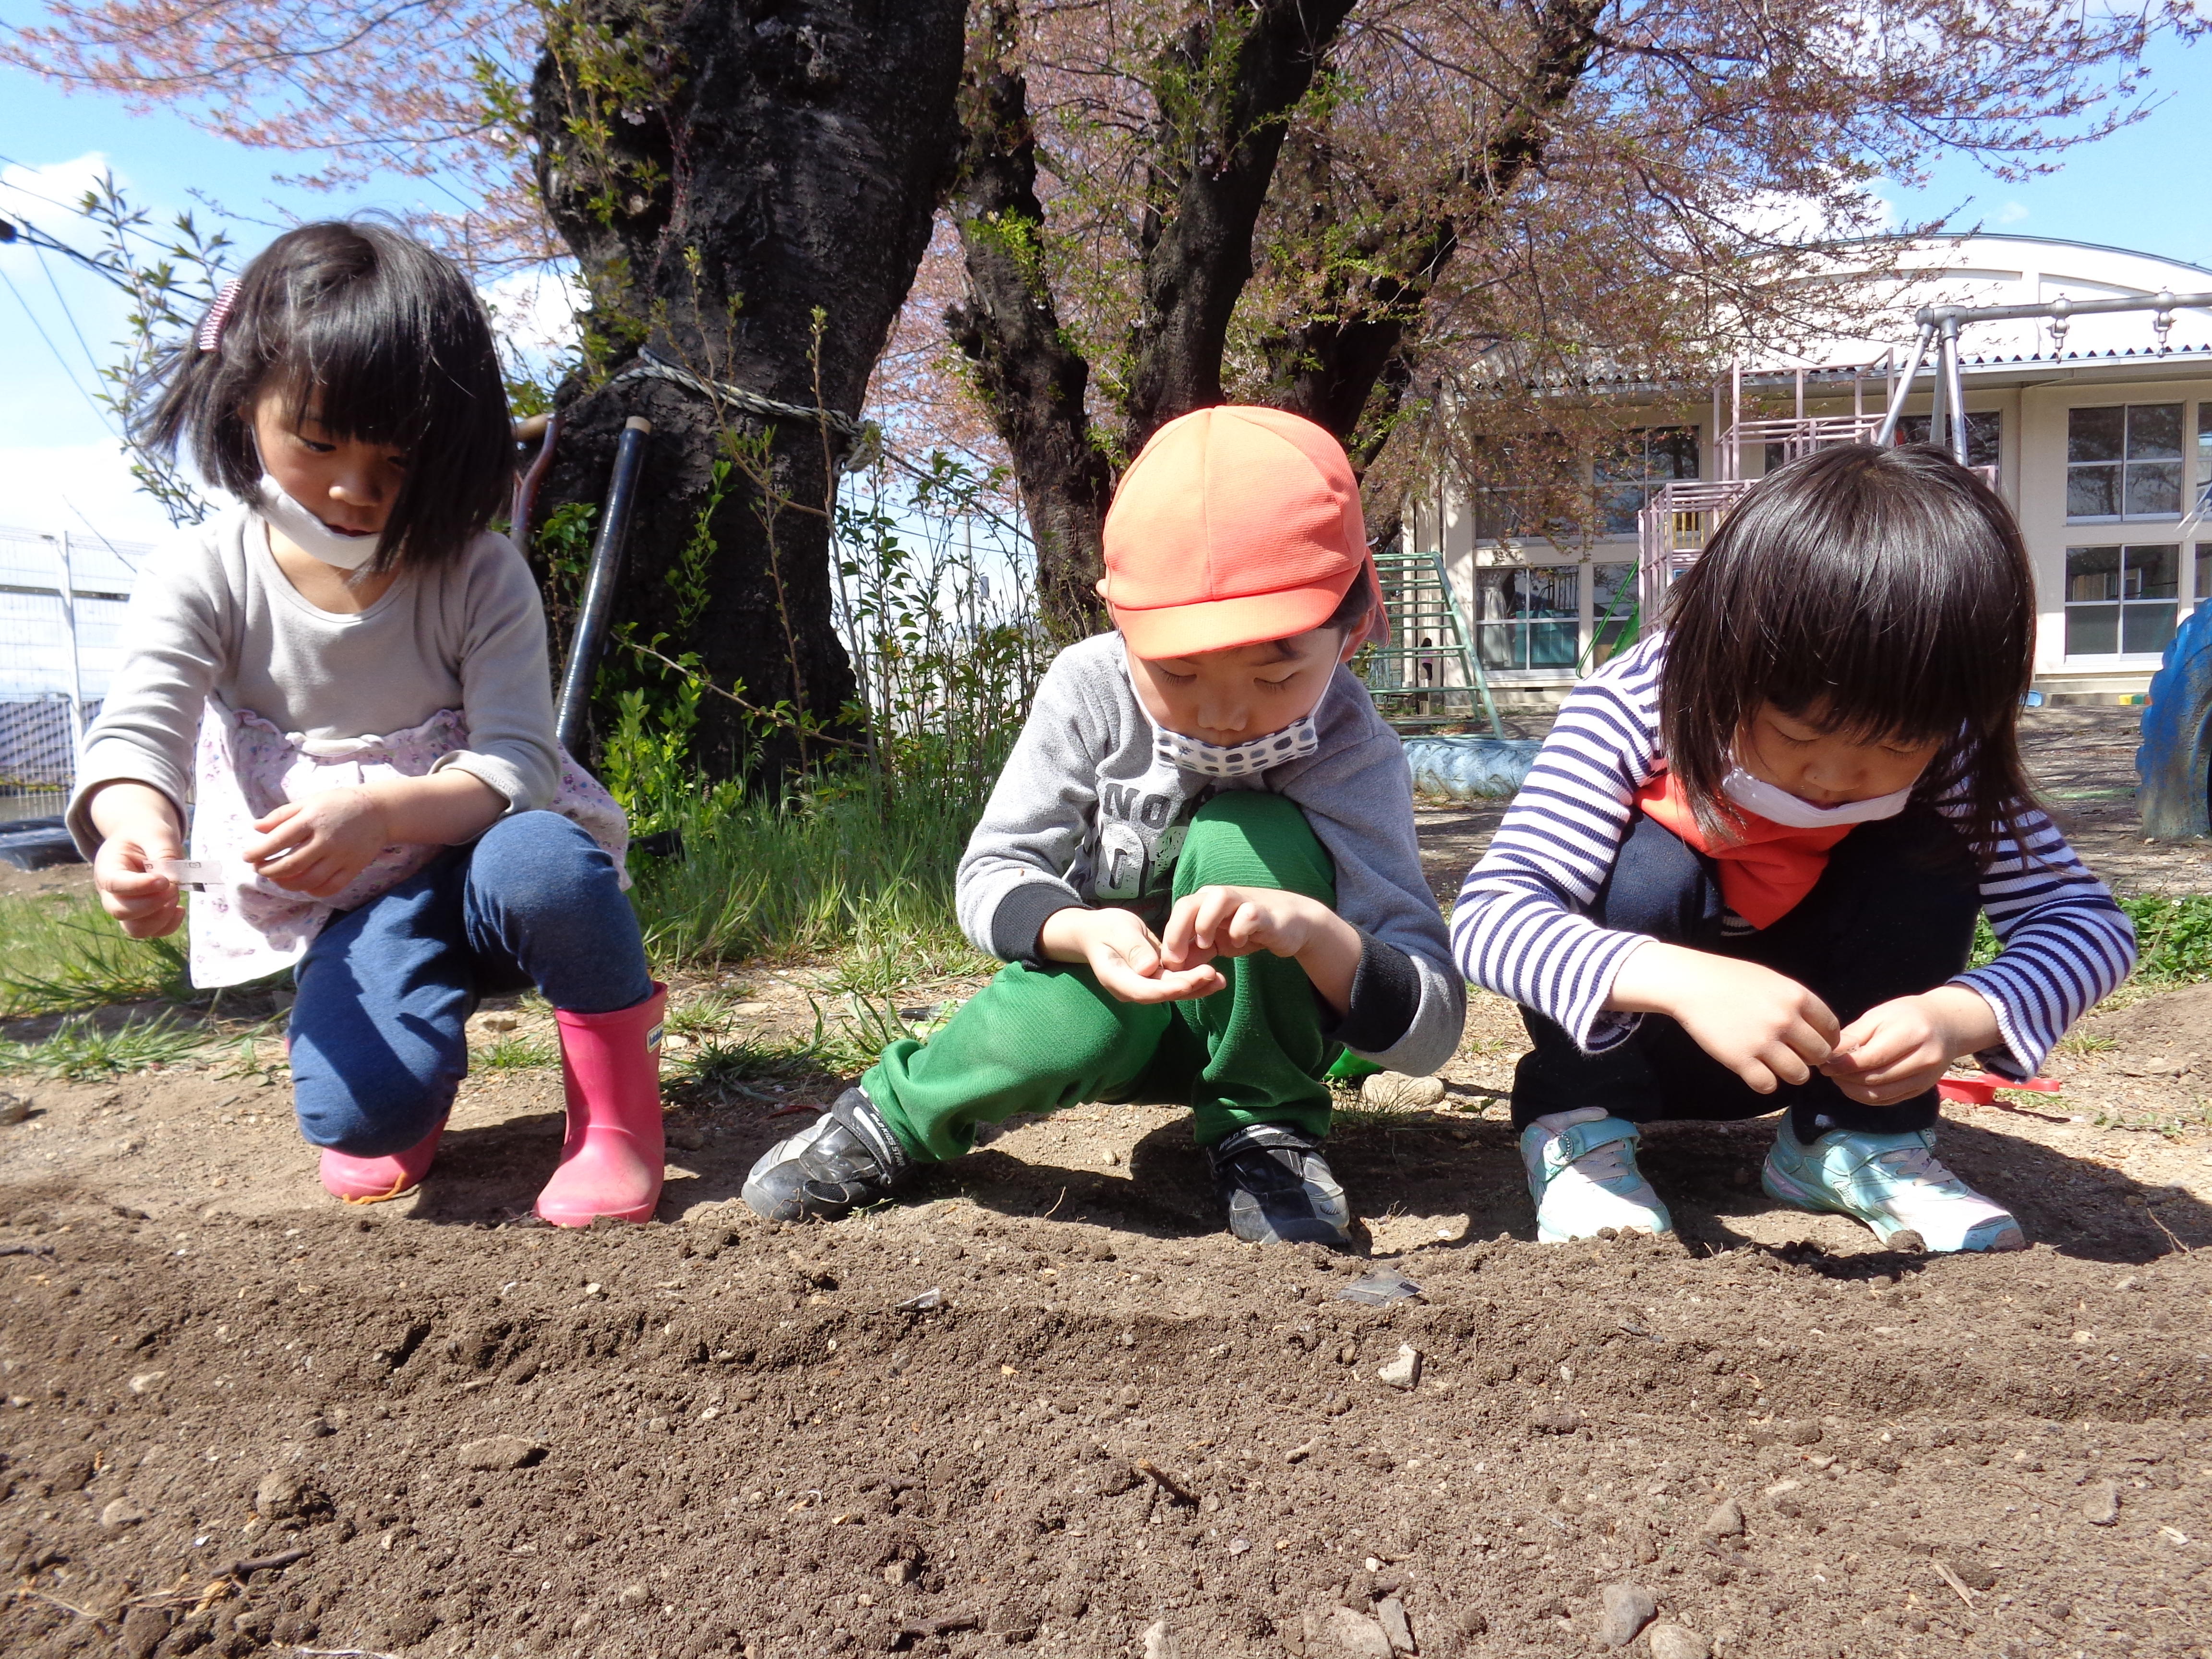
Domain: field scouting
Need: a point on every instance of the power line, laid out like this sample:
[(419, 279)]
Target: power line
[(70, 316), (90, 401)]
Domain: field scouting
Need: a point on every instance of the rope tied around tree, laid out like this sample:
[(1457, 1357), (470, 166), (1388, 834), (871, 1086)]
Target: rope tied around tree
[(857, 442)]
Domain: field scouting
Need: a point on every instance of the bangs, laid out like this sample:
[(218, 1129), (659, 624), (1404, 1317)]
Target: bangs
[(378, 340), (1882, 595)]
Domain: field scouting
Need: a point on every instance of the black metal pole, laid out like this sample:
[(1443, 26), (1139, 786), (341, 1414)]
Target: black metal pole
[(599, 588)]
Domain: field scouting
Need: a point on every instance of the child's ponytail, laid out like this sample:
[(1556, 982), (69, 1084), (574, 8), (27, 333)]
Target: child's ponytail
[(1884, 593), (379, 340)]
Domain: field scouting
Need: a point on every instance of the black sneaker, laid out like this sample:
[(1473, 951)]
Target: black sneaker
[(1279, 1188), (844, 1160)]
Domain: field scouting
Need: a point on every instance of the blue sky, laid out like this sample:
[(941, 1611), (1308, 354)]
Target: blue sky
[(2146, 188)]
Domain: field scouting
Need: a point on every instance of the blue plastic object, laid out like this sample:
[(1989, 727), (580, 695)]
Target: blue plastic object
[(2175, 760), (1470, 768)]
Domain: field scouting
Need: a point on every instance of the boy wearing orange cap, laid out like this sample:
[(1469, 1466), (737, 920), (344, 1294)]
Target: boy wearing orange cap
[(1199, 864)]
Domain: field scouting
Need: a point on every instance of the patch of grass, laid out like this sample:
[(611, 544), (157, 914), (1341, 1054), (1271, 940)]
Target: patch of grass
[(707, 1016), (719, 1067), (821, 873), (516, 1052), (79, 1048), (2081, 1042), (2173, 938), (62, 955)]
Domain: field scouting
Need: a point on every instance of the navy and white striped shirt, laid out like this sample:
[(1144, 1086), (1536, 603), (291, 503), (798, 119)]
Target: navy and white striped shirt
[(1520, 928)]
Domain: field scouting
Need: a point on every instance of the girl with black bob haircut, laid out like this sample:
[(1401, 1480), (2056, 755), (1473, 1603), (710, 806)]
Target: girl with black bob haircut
[(342, 684), (376, 339), (1744, 872)]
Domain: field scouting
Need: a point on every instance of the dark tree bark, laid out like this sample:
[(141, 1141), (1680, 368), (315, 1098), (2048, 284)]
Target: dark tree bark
[(1345, 368), (1009, 330), (1221, 133), (1225, 107), (1222, 120), (723, 170)]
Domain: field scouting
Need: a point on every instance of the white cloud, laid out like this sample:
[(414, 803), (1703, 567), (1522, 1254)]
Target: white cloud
[(84, 488), (2012, 213)]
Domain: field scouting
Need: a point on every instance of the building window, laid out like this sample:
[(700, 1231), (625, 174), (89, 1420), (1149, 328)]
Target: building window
[(1613, 611), (2203, 468), (1527, 617), (1984, 433), (2121, 601), (2203, 591), (2124, 462), (1630, 471)]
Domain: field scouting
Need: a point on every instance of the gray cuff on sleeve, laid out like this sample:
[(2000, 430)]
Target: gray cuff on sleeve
[(1021, 917), (1385, 995)]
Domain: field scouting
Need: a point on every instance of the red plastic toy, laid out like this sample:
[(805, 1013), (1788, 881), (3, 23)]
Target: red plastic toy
[(1980, 1088)]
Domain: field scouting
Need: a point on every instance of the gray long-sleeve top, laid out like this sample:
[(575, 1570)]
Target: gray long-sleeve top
[(1085, 814), (215, 616)]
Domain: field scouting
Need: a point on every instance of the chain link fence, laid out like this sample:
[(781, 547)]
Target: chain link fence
[(63, 595)]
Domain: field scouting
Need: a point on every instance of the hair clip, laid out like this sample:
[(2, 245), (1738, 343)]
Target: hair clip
[(210, 334)]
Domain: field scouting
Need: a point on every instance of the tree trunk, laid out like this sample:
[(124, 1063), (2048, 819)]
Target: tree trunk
[(726, 175), (1009, 329)]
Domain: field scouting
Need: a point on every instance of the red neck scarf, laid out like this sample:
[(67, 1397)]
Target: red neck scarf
[(1765, 867)]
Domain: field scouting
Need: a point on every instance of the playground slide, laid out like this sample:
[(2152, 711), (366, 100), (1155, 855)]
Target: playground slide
[(2175, 760)]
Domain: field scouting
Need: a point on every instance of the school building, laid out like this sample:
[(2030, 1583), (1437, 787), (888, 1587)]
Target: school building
[(2096, 428)]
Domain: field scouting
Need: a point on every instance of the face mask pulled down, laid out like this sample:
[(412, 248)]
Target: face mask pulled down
[(1779, 805), (1300, 738), (310, 534)]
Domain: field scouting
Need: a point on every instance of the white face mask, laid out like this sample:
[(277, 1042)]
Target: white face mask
[(1774, 803), (1295, 741), (309, 534)]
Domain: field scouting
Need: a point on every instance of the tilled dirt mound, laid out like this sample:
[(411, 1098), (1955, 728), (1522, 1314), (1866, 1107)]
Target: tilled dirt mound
[(767, 1441)]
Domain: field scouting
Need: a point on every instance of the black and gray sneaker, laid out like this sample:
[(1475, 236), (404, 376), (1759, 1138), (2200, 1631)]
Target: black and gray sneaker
[(1279, 1188), (844, 1160)]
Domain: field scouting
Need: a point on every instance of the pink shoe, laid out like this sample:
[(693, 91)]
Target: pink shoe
[(611, 1161), (372, 1180)]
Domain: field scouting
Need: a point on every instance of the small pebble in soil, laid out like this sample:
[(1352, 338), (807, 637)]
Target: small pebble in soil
[(1404, 1371), (14, 1108), (1623, 1610), (121, 1512), (499, 1453), (1391, 1613), (1355, 1636), (147, 1382), (1395, 1091), (1725, 1521), (2100, 1503), (1678, 1642), (281, 1493)]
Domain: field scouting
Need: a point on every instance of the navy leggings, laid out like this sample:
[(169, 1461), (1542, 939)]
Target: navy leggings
[(1892, 915), (378, 1044)]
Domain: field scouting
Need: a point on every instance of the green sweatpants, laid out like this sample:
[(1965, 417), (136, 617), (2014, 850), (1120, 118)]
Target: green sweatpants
[(1038, 1039)]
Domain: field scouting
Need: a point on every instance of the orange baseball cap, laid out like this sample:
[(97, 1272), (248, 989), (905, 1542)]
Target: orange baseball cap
[(1235, 526)]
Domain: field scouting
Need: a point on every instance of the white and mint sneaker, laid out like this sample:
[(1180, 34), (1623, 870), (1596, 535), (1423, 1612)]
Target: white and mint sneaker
[(1894, 1183), (1582, 1175)]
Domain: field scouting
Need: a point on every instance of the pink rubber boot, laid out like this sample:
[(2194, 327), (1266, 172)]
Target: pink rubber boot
[(372, 1180), (611, 1161)]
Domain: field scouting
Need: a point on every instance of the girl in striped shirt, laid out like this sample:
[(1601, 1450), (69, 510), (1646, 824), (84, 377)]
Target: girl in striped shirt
[(1743, 874)]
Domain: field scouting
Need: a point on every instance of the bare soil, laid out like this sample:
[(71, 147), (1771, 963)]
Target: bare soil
[(1044, 1405)]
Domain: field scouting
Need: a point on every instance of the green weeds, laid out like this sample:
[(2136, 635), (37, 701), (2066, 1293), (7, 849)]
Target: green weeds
[(62, 955), (515, 1053), (81, 1047)]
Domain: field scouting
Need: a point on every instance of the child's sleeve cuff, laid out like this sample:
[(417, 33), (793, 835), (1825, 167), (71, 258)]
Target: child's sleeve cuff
[(1021, 914), (1386, 996)]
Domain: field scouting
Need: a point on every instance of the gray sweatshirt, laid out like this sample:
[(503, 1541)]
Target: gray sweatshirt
[(1084, 814), (215, 616)]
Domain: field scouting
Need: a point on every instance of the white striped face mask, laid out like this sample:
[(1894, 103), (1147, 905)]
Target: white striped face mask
[(1300, 738)]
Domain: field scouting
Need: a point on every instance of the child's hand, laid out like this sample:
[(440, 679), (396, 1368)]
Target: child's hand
[(138, 830), (1124, 955), (318, 846), (1764, 1026), (144, 905), (1239, 921), (1899, 1049)]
